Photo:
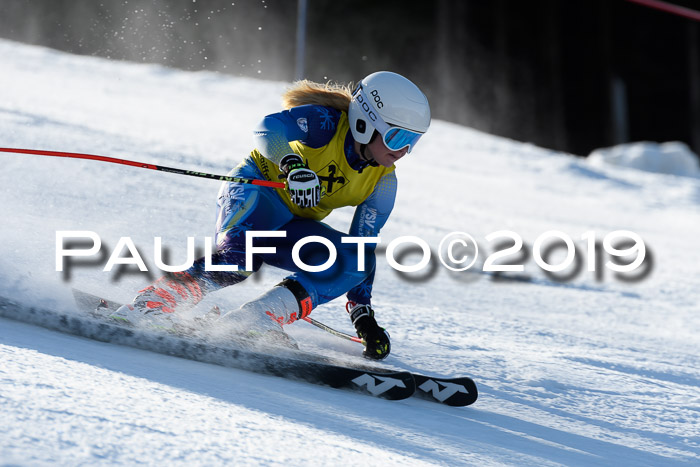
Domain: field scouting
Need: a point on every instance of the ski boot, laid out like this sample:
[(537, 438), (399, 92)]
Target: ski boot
[(154, 306), (261, 320)]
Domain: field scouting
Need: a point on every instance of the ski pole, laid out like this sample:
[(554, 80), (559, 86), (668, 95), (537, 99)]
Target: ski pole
[(113, 160), (331, 330)]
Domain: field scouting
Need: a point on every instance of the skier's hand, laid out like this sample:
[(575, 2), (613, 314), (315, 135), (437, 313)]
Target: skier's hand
[(303, 183), (374, 338), (377, 344)]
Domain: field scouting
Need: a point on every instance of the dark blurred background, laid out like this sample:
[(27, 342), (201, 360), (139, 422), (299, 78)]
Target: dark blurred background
[(571, 75)]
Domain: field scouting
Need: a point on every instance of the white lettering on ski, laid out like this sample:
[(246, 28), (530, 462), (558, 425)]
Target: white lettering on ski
[(377, 389), (442, 395)]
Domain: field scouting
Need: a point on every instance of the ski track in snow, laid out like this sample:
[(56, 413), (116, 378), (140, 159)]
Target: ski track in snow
[(583, 373)]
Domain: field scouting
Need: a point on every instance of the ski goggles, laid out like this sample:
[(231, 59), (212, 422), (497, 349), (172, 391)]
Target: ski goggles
[(394, 137)]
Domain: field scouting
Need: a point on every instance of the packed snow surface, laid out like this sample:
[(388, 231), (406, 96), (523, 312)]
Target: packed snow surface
[(601, 369)]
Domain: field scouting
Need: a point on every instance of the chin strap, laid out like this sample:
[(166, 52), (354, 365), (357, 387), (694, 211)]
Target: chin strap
[(371, 162)]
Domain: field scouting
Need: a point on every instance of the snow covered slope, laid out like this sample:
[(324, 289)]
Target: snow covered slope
[(596, 370)]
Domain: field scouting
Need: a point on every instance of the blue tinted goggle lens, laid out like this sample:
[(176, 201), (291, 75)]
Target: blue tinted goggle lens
[(398, 138)]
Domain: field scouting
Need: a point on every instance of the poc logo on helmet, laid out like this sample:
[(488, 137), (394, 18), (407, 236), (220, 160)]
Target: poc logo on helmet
[(367, 108), (377, 99)]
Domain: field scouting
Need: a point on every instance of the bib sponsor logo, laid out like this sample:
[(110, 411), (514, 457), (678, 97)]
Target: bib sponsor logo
[(332, 178), (265, 169)]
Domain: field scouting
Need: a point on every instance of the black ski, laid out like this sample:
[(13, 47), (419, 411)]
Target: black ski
[(456, 392), (393, 385)]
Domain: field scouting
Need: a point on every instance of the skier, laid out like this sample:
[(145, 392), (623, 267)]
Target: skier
[(335, 147)]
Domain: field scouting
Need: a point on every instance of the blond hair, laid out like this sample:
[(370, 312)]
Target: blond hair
[(337, 96)]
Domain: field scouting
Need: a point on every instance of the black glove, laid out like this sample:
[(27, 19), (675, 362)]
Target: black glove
[(303, 183), (374, 338)]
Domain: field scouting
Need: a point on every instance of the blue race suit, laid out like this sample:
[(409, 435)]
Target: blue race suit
[(312, 130)]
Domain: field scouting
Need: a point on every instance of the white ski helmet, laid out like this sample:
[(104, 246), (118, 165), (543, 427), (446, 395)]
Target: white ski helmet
[(393, 106)]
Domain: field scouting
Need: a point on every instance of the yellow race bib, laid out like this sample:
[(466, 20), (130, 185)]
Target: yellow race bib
[(341, 185)]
